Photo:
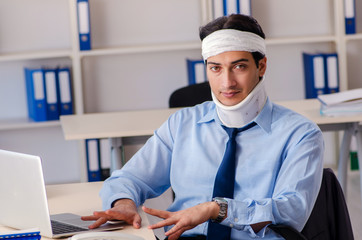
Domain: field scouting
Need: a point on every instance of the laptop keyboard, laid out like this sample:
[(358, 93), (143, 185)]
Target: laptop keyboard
[(60, 228)]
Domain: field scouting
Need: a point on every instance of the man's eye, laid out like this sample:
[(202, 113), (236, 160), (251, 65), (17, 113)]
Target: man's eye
[(240, 66), (214, 68)]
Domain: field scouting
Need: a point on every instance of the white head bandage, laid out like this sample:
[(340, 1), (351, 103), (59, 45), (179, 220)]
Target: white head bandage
[(226, 40)]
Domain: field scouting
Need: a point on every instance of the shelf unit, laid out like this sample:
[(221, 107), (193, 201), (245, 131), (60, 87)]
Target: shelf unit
[(138, 56)]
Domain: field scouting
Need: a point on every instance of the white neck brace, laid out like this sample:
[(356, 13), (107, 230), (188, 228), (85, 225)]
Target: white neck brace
[(244, 112)]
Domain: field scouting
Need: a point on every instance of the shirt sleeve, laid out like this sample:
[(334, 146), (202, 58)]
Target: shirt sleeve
[(295, 190), (145, 175)]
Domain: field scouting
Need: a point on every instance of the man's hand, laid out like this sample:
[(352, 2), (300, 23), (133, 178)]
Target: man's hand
[(123, 209), (184, 219)]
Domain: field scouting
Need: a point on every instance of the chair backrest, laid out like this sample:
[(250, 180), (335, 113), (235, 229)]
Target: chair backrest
[(329, 219), (190, 95)]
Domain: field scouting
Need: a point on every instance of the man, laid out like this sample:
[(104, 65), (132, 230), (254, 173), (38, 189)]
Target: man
[(277, 163)]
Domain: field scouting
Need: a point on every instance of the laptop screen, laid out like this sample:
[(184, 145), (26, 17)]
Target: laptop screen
[(23, 192)]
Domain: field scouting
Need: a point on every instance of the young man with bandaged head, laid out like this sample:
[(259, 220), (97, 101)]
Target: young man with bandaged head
[(236, 164)]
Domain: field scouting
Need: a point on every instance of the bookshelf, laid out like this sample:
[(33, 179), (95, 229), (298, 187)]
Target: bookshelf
[(138, 59)]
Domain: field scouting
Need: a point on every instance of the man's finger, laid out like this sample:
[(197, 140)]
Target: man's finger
[(163, 223), (175, 235), (101, 214), (137, 222), (89, 218), (156, 212), (97, 223), (178, 229)]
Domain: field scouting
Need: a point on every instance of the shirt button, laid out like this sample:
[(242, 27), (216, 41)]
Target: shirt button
[(231, 225), (236, 220)]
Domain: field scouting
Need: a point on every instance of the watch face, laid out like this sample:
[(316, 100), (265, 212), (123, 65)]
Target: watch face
[(223, 204), (105, 236)]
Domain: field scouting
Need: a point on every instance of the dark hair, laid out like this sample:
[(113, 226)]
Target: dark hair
[(237, 22)]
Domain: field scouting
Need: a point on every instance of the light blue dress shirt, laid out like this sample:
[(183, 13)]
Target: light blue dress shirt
[(278, 169)]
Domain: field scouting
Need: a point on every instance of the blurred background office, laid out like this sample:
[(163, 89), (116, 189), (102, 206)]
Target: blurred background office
[(135, 56)]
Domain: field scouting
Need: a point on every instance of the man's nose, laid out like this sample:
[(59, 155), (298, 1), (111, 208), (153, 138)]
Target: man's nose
[(228, 79)]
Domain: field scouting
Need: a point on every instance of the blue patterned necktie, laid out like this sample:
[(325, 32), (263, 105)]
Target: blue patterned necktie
[(224, 182)]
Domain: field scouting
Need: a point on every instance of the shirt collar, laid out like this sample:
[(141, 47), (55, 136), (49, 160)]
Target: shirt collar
[(211, 115), (264, 118)]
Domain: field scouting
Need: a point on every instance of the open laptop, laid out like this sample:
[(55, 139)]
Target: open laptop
[(23, 202)]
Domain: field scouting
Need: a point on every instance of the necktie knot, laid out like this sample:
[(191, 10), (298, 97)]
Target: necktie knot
[(232, 132)]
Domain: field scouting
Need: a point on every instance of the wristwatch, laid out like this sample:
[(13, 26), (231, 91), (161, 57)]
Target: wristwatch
[(223, 204)]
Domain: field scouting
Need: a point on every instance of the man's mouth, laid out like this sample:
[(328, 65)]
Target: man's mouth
[(229, 94)]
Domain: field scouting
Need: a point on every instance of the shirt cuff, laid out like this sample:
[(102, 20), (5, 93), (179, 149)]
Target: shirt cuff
[(107, 204), (241, 214)]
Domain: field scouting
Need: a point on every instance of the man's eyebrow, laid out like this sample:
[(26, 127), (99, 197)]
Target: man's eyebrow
[(233, 62), (240, 60), (214, 63)]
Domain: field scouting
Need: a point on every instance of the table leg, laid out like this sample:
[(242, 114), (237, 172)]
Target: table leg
[(117, 154), (343, 158), (358, 134)]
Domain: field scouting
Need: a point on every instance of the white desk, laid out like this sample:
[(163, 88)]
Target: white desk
[(114, 124), (121, 126), (83, 199)]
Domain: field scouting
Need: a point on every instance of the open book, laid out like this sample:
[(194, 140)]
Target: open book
[(342, 103)]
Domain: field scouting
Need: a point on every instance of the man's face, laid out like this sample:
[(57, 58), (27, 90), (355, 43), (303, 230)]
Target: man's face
[(233, 75)]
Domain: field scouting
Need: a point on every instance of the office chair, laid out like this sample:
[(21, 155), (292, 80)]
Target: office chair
[(190, 95), (329, 219)]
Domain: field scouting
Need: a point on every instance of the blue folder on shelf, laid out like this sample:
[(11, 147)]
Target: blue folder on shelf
[(227, 7), (65, 98), (244, 7), (51, 94), (84, 25), (350, 16), (93, 160), (35, 90), (331, 72), (196, 71), (105, 157), (314, 75)]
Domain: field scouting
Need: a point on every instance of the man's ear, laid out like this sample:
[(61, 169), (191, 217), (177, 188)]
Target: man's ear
[(262, 66)]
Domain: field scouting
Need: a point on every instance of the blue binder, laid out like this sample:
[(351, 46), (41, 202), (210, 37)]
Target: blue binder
[(35, 90), (350, 16), (51, 94), (331, 72), (64, 87), (93, 160), (84, 25), (196, 71), (233, 6), (227, 8), (314, 75), (105, 157), (244, 7)]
